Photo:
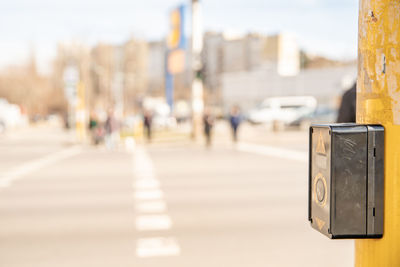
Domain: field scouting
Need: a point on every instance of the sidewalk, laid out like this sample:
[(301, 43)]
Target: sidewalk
[(248, 133)]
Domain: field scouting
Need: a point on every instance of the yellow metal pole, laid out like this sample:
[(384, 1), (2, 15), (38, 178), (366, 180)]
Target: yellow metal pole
[(80, 113), (378, 101)]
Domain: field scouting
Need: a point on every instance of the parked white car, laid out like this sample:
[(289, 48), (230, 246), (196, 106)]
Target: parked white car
[(10, 115), (282, 109)]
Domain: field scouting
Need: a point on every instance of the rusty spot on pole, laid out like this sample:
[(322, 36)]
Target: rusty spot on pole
[(372, 15)]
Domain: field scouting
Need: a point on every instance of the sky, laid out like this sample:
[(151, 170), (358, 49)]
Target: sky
[(326, 27)]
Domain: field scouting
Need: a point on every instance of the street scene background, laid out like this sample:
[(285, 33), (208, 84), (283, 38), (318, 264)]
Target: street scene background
[(167, 133), (223, 206)]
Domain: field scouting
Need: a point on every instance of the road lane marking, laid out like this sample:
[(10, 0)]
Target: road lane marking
[(7, 178), (273, 152), (144, 175), (149, 195), (146, 184), (5, 183), (151, 207), (153, 222), (156, 247)]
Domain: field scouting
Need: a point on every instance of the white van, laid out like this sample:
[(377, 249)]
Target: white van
[(282, 109)]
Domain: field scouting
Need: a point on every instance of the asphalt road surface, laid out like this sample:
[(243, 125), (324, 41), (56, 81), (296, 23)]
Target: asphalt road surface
[(163, 204)]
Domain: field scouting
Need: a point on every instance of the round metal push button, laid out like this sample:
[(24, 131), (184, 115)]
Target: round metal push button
[(320, 190)]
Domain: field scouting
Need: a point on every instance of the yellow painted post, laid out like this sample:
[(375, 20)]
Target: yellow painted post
[(80, 112), (378, 101)]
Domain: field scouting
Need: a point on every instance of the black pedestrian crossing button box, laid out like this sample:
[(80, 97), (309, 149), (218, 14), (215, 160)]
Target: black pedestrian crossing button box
[(346, 175)]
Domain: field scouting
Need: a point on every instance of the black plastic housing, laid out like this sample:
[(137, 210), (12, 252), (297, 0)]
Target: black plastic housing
[(346, 180)]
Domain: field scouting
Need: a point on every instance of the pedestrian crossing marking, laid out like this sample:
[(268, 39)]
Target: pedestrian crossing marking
[(146, 184), (151, 210), (320, 145), (157, 247), (320, 223), (149, 194), (153, 222), (151, 207)]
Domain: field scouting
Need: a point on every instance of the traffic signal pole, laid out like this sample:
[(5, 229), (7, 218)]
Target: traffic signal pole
[(378, 102), (197, 83)]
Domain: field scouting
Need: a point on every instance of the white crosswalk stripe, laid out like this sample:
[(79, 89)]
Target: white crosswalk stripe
[(157, 246), (151, 209)]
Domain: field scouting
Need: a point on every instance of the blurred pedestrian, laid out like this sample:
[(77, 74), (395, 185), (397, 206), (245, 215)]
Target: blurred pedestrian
[(93, 126), (208, 123), (235, 119), (67, 125), (111, 128), (347, 110), (147, 121)]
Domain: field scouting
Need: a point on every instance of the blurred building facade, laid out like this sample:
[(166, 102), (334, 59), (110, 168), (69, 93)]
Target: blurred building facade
[(135, 72), (224, 54), (157, 51), (249, 88), (76, 56), (245, 70), (237, 70), (113, 75), (282, 52)]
